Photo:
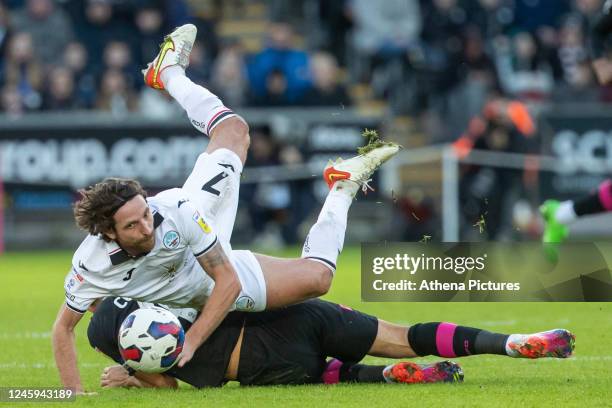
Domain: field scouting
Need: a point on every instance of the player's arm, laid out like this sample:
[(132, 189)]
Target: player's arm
[(64, 348), (117, 376), (227, 288)]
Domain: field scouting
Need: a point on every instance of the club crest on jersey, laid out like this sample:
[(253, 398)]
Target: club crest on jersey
[(245, 303), (200, 221), (171, 239)]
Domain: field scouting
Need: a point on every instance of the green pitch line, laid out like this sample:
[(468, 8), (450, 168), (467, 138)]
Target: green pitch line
[(32, 292)]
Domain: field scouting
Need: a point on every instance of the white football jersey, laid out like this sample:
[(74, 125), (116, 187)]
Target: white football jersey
[(169, 274)]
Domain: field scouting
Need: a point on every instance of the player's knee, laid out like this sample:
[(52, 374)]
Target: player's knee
[(235, 131)]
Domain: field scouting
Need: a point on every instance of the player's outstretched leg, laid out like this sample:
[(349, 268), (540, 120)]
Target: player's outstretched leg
[(215, 180), (290, 281), (403, 372), (558, 215), (446, 340), (204, 109), (325, 239)]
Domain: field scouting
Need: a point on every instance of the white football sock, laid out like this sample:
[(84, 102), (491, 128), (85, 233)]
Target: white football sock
[(565, 213), (170, 72), (326, 237), (204, 109)]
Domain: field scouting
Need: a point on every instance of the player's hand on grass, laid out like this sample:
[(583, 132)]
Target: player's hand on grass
[(114, 376), (187, 353)]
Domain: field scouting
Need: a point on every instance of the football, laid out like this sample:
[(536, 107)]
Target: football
[(151, 339)]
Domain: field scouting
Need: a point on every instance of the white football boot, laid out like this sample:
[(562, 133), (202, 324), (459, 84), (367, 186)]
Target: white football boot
[(174, 50), (359, 169)]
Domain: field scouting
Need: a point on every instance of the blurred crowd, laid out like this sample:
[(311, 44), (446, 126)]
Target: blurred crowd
[(445, 56), (463, 68)]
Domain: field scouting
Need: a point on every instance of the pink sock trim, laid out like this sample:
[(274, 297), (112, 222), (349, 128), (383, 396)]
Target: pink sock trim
[(444, 339), (605, 195), (331, 375)]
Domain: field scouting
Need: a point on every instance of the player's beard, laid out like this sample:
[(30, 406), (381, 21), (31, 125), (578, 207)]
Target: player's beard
[(147, 244), (139, 248)]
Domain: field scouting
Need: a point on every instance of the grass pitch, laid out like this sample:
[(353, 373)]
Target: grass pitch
[(32, 293)]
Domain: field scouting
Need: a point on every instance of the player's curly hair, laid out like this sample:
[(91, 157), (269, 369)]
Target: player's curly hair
[(98, 204)]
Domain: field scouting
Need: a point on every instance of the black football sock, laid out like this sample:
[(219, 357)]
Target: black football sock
[(449, 340), (594, 203), (362, 373)]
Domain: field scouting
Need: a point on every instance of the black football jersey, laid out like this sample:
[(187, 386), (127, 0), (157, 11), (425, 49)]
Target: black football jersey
[(209, 363)]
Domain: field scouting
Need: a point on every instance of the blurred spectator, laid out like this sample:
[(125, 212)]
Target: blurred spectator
[(279, 62), (572, 49), (114, 94), (477, 79), (326, 89), (12, 103), (491, 17), (200, 65), (4, 40), (268, 202), (149, 22), (117, 57), (330, 29), (382, 30), (207, 36), (580, 87), (533, 15), (4, 34), (276, 92), (60, 94), (97, 28), (49, 26), (229, 77), (522, 71), (24, 71), (588, 9), (443, 25), (486, 193), (76, 58)]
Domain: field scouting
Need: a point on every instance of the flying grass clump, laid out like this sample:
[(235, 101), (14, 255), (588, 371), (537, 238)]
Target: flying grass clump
[(374, 141)]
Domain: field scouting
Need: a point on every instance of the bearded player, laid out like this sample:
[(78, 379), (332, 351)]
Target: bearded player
[(174, 248)]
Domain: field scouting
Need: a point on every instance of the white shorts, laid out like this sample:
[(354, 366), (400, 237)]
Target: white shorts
[(253, 295)]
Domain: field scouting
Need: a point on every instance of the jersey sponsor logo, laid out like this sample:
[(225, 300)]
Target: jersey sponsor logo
[(198, 124), (245, 303), (171, 239), (200, 221), (69, 296), (76, 275), (70, 285)]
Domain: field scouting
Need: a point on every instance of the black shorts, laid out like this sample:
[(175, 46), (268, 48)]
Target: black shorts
[(290, 345)]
